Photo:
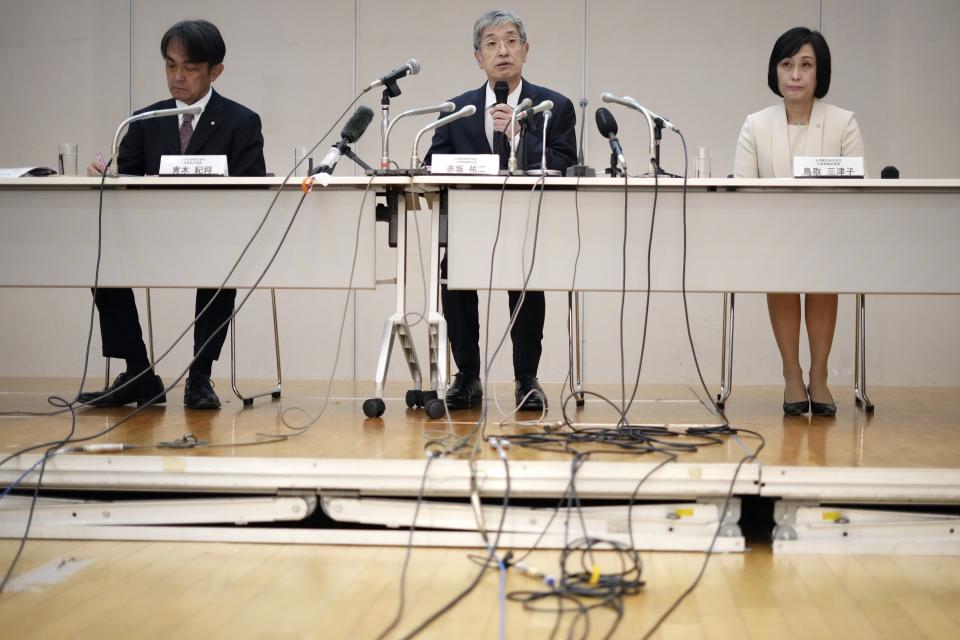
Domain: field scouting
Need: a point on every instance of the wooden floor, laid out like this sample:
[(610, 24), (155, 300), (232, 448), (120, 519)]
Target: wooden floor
[(164, 590), (912, 427), (73, 589)]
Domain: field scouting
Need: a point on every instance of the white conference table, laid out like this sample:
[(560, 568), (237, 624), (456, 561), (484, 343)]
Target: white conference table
[(190, 232), (186, 232), (785, 235), (846, 236)]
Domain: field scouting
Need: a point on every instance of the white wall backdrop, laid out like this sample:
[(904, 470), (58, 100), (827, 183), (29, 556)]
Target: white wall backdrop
[(72, 71)]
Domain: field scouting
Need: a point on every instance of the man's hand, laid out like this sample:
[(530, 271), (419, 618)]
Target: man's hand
[(501, 117), (96, 168)]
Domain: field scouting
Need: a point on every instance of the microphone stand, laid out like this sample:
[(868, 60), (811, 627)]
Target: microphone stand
[(657, 137), (614, 169), (363, 165), (390, 90)]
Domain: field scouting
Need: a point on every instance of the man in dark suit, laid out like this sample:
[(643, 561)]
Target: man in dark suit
[(500, 47), (193, 51)]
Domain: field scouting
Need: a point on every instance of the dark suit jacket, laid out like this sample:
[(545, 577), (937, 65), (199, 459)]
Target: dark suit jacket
[(225, 128), (468, 135)]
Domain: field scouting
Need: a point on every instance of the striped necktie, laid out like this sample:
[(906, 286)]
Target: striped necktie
[(186, 130)]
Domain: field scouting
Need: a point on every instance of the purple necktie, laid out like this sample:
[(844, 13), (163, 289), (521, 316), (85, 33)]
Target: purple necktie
[(186, 130)]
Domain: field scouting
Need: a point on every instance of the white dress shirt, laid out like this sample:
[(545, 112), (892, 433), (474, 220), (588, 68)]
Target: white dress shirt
[(512, 100), (203, 105)]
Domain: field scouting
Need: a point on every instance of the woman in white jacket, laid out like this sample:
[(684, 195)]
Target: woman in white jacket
[(802, 125)]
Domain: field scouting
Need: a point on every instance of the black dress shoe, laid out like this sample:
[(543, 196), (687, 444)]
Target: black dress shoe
[(821, 408), (464, 392), (147, 389), (199, 393), (529, 395)]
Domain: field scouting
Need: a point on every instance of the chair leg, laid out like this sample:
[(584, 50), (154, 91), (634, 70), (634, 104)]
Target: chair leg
[(860, 357), (576, 346), (726, 349), (150, 327), (273, 393)]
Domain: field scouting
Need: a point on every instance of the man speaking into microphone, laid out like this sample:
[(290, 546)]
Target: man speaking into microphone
[(193, 52), (500, 48)]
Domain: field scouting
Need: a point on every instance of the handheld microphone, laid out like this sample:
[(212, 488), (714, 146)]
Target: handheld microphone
[(193, 109), (607, 125), (501, 90), (350, 133), (411, 67), (465, 112)]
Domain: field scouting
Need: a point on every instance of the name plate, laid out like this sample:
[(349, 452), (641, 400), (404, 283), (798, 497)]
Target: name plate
[(193, 166), (827, 167), (466, 164)]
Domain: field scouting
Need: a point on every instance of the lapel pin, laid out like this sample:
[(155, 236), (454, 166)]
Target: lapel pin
[(213, 122)]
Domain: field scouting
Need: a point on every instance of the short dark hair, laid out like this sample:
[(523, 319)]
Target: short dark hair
[(200, 39), (787, 46)]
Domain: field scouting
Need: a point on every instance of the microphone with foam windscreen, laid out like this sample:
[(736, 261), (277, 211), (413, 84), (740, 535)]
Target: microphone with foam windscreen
[(607, 125), (350, 133), (889, 173)]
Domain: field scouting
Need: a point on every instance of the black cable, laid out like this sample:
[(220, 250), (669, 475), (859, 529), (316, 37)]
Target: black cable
[(646, 309), (706, 559), (230, 273), (683, 289), (69, 405), (491, 551), (409, 551)]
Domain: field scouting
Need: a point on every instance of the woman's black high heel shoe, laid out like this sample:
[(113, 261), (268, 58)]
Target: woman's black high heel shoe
[(820, 408), (796, 408)]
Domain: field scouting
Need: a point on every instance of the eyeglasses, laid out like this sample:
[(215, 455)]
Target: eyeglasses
[(494, 45)]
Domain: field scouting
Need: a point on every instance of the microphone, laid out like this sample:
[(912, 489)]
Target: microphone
[(660, 121), (501, 90), (443, 107), (350, 133), (580, 169), (633, 104), (411, 67), (889, 172), (607, 125), (465, 112), (546, 105), (193, 109), (526, 103), (583, 125), (629, 102)]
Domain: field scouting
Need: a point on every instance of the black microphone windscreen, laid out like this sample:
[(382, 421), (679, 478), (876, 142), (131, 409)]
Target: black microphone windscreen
[(357, 124), (501, 90), (889, 172), (606, 123)]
